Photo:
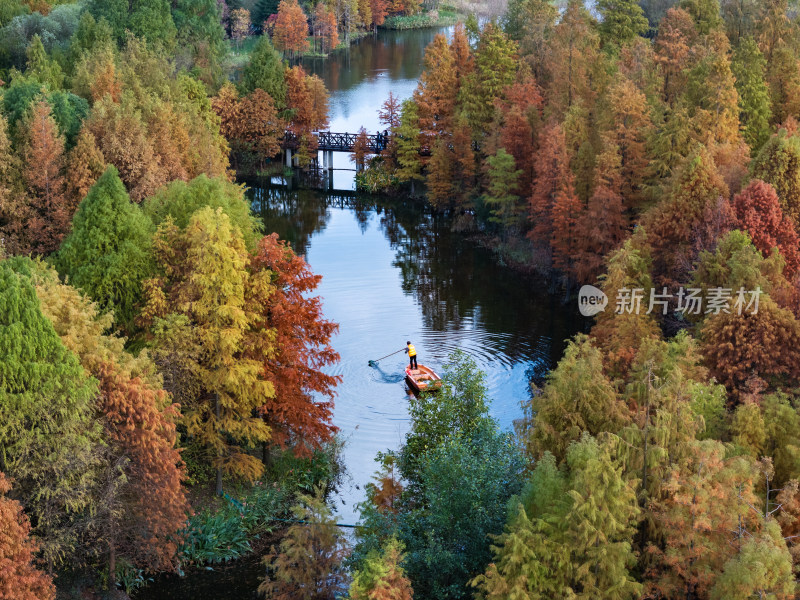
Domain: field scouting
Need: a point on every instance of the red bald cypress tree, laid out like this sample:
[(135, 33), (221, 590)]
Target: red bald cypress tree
[(553, 177), (567, 219), (140, 426), (520, 107), (19, 578), (758, 211), (291, 28), (302, 350), (50, 211), (437, 91), (604, 223)]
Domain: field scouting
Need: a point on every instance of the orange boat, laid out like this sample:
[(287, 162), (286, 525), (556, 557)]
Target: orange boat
[(423, 379)]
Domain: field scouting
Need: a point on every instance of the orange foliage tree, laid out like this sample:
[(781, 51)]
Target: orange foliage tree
[(250, 124), (19, 578), (629, 129), (325, 27), (50, 211), (708, 499), (520, 107), (379, 10), (302, 350), (140, 426), (676, 33), (122, 137), (758, 211), (604, 223), (553, 177), (307, 101), (436, 92), (567, 218), (462, 53), (85, 165), (360, 148), (765, 344), (672, 223), (291, 28)]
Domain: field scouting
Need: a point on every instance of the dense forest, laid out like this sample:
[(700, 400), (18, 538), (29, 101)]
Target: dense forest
[(164, 391)]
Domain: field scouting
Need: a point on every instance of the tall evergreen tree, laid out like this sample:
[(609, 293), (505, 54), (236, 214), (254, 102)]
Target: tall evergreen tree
[(42, 68), (748, 67), (705, 13), (47, 428), (778, 164), (622, 21), (107, 255), (265, 71), (495, 68), (408, 144), (577, 398), (208, 283), (500, 194)]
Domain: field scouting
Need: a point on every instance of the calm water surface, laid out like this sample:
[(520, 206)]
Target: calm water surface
[(393, 272)]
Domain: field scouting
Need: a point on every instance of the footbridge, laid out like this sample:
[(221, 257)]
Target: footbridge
[(329, 142)]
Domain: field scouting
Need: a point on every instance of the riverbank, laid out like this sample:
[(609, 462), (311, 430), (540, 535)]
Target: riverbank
[(444, 17)]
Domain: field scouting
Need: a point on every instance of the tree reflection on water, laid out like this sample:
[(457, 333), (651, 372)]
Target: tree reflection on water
[(457, 284)]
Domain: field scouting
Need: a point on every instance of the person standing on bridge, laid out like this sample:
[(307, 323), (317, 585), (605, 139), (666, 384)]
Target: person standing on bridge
[(412, 355)]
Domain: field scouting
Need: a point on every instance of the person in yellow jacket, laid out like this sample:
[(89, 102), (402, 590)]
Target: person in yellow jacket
[(412, 355)]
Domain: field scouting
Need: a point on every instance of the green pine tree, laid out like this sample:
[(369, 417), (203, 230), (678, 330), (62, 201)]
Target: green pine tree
[(495, 68), (265, 71), (152, 20), (500, 195), (778, 163), (578, 398), (706, 14), (48, 434), (749, 67), (599, 526), (762, 569), (41, 68), (107, 255), (408, 145), (623, 21)]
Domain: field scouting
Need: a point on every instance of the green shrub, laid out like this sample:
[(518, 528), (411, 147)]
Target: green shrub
[(215, 537)]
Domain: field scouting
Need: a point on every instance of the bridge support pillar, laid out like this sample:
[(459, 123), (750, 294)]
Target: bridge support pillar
[(288, 157), (330, 159), (324, 159)]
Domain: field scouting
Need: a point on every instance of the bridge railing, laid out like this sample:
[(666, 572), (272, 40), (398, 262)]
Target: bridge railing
[(339, 141)]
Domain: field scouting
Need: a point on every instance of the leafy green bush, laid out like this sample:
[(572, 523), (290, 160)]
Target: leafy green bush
[(129, 578), (215, 537), (225, 534), (421, 20), (296, 475), (376, 178), (261, 507)]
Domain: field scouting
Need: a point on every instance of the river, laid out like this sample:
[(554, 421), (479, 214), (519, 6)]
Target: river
[(393, 272)]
